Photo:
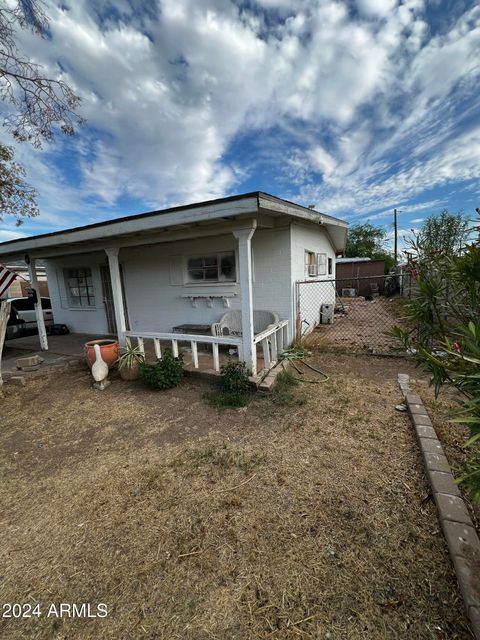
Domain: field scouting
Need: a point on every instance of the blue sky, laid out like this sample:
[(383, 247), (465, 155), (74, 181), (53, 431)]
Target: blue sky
[(356, 106)]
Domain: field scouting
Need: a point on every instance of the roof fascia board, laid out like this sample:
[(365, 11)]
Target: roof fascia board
[(212, 212), (164, 237), (291, 209)]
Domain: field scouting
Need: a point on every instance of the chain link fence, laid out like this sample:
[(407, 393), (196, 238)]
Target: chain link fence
[(351, 314)]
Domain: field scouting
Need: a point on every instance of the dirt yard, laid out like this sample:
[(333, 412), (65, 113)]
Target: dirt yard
[(360, 325), (302, 516)]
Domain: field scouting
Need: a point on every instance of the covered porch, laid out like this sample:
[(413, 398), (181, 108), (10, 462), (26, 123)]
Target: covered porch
[(130, 267), (200, 353)]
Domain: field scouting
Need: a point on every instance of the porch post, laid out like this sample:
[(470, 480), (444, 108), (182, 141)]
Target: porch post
[(42, 332), (118, 305), (244, 237)]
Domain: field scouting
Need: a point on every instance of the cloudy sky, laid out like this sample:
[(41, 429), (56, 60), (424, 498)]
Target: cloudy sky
[(356, 106)]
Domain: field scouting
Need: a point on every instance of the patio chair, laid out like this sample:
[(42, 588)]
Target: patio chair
[(230, 323)]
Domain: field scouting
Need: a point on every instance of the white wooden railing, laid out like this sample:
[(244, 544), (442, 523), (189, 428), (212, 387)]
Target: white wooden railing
[(193, 339), (273, 340)]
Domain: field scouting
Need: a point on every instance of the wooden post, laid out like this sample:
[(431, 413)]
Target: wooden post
[(42, 332), (244, 237), (395, 232), (4, 316), (118, 305)]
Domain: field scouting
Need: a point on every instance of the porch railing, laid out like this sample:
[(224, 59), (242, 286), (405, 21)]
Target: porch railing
[(273, 340), (193, 339)]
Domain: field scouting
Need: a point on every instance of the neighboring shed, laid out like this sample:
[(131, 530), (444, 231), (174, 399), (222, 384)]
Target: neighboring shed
[(350, 271)]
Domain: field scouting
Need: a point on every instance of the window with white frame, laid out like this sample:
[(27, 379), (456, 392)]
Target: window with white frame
[(79, 286), (214, 267), (315, 264)]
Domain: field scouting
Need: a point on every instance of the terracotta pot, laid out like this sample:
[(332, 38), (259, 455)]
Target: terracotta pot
[(130, 373), (109, 350)]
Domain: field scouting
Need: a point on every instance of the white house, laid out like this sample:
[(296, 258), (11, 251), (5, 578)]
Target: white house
[(145, 276)]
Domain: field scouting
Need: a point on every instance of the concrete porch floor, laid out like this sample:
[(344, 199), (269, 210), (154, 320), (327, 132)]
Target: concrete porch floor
[(70, 347)]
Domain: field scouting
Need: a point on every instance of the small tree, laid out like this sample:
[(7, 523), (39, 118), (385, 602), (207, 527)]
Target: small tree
[(367, 241), (444, 234)]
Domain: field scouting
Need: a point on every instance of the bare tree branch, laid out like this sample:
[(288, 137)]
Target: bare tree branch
[(41, 103), (17, 198)]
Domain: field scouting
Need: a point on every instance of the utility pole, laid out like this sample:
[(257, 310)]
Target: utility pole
[(395, 227)]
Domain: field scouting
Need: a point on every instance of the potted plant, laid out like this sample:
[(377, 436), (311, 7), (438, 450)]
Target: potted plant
[(129, 362), (108, 350)]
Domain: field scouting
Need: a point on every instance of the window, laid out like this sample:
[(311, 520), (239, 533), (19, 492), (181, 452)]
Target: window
[(315, 264), (321, 264), (310, 264), (216, 267), (330, 266), (79, 286)]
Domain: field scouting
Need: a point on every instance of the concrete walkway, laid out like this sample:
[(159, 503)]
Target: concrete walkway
[(64, 351)]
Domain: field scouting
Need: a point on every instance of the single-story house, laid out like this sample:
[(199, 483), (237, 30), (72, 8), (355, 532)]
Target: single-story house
[(166, 275)]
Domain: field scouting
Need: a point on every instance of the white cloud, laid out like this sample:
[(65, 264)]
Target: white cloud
[(9, 234), (376, 7), (166, 93)]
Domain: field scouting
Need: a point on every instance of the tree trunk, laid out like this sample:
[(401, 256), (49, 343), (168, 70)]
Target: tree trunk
[(4, 316)]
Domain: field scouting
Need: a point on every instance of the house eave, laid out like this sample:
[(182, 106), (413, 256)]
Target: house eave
[(145, 226)]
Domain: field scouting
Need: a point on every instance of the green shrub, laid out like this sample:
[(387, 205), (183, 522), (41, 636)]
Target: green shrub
[(163, 374), (444, 335), (235, 378), (235, 388)]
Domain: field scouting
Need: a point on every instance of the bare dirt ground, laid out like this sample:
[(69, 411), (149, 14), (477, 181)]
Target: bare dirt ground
[(360, 325), (295, 517)]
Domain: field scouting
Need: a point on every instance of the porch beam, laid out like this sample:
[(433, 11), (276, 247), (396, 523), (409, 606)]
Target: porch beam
[(42, 332), (249, 351), (118, 303)]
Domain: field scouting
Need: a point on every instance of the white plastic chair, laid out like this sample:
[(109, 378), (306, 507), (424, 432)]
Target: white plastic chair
[(230, 323)]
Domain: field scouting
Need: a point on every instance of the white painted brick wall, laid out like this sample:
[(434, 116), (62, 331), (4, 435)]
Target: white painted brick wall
[(310, 237), (154, 282)]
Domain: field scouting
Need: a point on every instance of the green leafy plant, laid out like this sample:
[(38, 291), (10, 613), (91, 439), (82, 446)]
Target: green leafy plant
[(130, 356), (163, 374), (444, 330), (235, 377), (235, 387)]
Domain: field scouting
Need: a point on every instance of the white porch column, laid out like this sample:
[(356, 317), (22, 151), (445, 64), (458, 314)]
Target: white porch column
[(244, 237), (42, 332), (116, 279)]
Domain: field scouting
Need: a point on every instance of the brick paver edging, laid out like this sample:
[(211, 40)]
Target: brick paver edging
[(460, 533)]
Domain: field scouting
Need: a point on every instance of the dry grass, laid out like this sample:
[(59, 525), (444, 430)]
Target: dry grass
[(270, 521)]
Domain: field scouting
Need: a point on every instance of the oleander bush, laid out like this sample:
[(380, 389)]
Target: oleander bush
[(444, 334)]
